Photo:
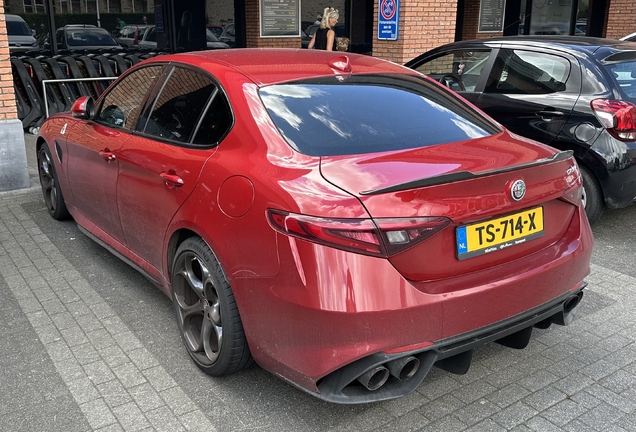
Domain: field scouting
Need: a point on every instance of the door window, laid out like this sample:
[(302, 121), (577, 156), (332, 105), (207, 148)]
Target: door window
[(459, 70), (121, 106), (527, 72), (177, 109)]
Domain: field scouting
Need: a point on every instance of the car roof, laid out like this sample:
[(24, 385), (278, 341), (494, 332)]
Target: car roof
[(266, 66), (79, 26), (594, 47), (10, 17)]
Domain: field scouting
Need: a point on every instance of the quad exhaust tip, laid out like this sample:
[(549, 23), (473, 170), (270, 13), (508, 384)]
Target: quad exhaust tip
[(402, 369), (374, 378)]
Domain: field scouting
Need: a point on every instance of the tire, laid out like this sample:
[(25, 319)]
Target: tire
[(206, 311), (51, 190), (592, 196)]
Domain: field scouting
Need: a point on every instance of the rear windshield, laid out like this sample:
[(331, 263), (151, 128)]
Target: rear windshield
[(18, 28), (625, 75), (89, 37), (370, 113)]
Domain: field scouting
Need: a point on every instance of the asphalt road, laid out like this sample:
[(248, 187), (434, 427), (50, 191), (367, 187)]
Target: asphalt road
[(86, 343)]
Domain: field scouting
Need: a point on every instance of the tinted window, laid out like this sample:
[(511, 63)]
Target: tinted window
[(459, 70), (210, 37), (625, 75), (18, 28), (121, 106), (152, 37), (364, 114), (89, 37), (216, 121), (527, 72), (176, 111)]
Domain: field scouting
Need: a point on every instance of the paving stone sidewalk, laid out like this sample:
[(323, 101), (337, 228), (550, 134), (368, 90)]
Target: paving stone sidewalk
[(88, 345)]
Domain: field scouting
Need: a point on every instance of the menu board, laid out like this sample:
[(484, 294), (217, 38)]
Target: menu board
[(491, 16), (280, 18)]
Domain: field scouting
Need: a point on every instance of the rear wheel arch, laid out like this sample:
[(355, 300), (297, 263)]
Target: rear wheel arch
[(178, 237), (594, 197), (207, 313)]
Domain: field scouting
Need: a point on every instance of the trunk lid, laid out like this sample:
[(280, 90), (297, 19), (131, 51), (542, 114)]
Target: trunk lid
[(467, 182)]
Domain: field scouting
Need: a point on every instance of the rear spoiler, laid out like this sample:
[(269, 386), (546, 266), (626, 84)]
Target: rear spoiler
[(467, 175)]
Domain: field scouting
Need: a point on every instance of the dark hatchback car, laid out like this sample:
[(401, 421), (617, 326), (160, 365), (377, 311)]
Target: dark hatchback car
[(573, 93), (83, 37)]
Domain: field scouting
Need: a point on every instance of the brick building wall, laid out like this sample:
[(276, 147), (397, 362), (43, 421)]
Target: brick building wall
[(621, 18), (8, 110), (423, 26)]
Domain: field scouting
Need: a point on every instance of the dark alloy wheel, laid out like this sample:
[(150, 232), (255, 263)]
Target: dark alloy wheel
[(206, 311), (50, 185), (592, 196)]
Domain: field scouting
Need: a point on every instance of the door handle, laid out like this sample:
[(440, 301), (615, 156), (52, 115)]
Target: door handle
[(107, 155), (171, 179), (545, 113)]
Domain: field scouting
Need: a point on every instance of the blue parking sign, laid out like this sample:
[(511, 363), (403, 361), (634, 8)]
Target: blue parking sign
[(388, 20)]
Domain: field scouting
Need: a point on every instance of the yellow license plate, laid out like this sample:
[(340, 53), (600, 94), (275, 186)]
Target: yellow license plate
[(497, 234)]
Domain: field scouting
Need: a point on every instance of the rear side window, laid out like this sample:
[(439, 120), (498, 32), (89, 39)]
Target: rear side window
[(371, 113), (624, 74), (527, 72), (177, 112), (89, 37)]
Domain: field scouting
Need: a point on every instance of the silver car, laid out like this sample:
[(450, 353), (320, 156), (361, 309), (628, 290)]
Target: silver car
[(20, 35)]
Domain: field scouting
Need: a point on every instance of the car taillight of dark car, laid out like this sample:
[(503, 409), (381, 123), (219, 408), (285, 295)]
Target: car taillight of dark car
[(617, 116)]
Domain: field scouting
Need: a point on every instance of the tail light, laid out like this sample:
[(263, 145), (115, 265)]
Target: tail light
[(617, 116), (383, 237), (574, 190)]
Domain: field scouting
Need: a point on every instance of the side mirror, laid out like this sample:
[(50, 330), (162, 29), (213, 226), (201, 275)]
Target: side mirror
[(83, 108)]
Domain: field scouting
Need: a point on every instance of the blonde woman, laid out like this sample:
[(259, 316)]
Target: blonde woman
[(325, 37)]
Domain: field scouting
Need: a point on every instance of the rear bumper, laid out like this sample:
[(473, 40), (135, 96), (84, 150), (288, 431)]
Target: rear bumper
[(453, 354), (614, 163), (331, 315)]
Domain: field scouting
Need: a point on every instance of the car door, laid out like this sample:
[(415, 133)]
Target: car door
[(160, 165), (462, 70), (93, 148), (531, 92)]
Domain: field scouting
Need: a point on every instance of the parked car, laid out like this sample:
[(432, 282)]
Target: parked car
[(149, 39), (130, 35), (217, 30), (213, 42), (345, 250), (307, 34), (229, 35), (83, 37), (20, 36), (573, 93), (629, 38)]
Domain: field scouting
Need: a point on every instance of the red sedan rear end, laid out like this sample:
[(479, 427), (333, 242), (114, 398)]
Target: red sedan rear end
[(349, 225)]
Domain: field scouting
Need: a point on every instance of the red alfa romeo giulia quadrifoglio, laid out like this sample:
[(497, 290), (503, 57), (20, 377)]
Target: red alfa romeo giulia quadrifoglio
[(343, 221)]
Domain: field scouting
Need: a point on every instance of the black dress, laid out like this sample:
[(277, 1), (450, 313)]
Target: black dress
[(321, 39)]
